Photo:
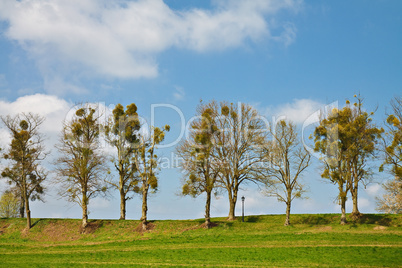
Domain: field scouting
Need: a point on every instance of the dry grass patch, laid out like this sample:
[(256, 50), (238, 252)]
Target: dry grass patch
[(55, 231), (150, 227), (4, 227), (324, 229), (380, 228)]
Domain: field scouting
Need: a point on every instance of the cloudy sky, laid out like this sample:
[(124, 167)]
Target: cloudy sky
[(285, 57)]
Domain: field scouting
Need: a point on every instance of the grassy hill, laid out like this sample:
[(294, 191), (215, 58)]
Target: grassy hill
[(261, 241)]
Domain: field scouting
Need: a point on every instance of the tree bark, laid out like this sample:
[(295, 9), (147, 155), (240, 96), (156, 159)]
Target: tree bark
[(122, 204), (343, 209), (288, 204), (28, 212), (232, 205), (207, 211), (144, 206), (84, 210), (22, 206), (355, 212)]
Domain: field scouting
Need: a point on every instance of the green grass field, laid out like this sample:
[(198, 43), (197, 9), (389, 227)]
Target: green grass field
[(261, 241)]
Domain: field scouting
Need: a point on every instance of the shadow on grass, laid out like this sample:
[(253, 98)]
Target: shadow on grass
[(35, 223), (384, 220), (225, 223), (312, 219), (352, 225), (92, 226), (200, 221), (252, 219)]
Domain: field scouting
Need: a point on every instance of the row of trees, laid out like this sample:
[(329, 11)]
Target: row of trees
[(81, 168), (228, 146)]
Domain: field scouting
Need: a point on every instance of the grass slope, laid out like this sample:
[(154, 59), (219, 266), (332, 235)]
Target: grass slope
[(261, 241)]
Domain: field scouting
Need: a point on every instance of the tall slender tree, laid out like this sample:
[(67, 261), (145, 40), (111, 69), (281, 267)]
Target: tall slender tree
[(287, 160), (391, 201), (331, 141), (241, 135), (147, 164), (26, 153), (81, 165), (348, 140), (122, 133), (201, 169), (364, 136)]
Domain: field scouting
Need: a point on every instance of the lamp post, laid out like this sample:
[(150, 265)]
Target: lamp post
[(242, 208)]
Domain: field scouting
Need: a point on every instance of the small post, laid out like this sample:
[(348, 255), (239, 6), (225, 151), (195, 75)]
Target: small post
[(242, 208)]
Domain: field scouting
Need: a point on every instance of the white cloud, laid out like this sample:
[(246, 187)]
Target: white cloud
[(57, 85), (364, 203), (52, 108), (4, 138), (99, 203), (373, 190), (297, 111), (288, 35), (121, 39), (179, 93)]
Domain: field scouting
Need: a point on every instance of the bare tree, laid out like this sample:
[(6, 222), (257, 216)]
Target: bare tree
[(200, 167), (147, 163), (81, 165), (9, 205), (391, 201), (25, 153), (287, 161), (122, 134), (241, 135)]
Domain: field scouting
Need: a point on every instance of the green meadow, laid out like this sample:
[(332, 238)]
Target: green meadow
[(261, 241)]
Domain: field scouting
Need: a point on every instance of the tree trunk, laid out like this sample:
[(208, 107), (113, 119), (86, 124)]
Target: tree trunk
[(232, 205), (144, 206), (355, 212), (288, 204), (122, 204), (207, 210), (343, 209), (28, 212), (22, 207), (84, 210)]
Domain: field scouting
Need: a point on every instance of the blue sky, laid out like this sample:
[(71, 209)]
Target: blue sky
[(286, 58)]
